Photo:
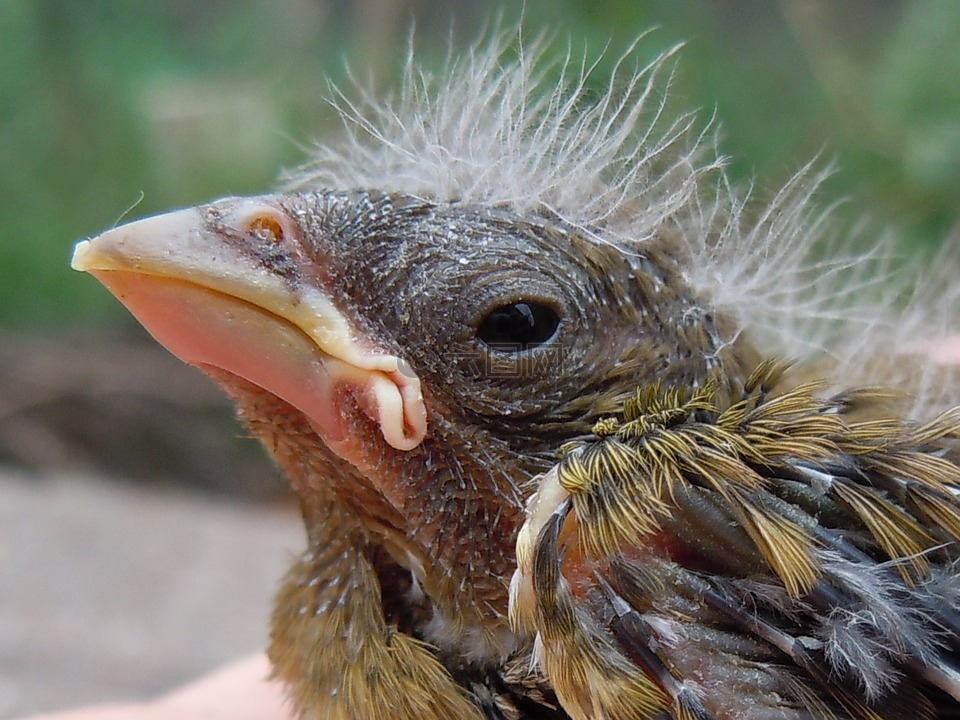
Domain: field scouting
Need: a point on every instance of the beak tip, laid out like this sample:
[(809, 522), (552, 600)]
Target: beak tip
[(123, 247), (81, 256)]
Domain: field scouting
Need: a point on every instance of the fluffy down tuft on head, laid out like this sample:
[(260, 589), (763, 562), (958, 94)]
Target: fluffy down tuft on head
[(509, 123)]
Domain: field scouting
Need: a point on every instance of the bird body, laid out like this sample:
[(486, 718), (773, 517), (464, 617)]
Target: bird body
[(516, 362)]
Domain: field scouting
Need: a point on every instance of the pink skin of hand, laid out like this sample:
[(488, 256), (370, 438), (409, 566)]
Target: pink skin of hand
[(947, 352), (240, 691)]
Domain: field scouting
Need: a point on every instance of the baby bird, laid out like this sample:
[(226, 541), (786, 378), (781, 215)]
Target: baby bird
[(515, 345)]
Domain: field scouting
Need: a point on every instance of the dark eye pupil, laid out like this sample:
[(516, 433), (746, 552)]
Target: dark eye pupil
[(518, 326)]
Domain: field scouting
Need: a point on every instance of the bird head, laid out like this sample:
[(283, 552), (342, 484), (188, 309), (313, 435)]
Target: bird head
[(413, 364)]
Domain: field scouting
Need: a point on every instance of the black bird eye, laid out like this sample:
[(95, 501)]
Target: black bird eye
[(518, 326)]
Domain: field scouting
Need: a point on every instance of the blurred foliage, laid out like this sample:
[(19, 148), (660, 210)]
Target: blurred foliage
[(112, 109)]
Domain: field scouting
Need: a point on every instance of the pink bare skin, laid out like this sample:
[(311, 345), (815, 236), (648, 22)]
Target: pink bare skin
[(948, 351), (239, 691)]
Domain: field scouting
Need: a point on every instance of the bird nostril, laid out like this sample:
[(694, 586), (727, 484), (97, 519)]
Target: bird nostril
[(266, 228)]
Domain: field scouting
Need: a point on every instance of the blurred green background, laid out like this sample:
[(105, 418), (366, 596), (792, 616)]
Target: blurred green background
[(115, 109)]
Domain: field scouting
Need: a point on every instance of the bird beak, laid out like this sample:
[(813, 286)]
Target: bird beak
[(210, 296)]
